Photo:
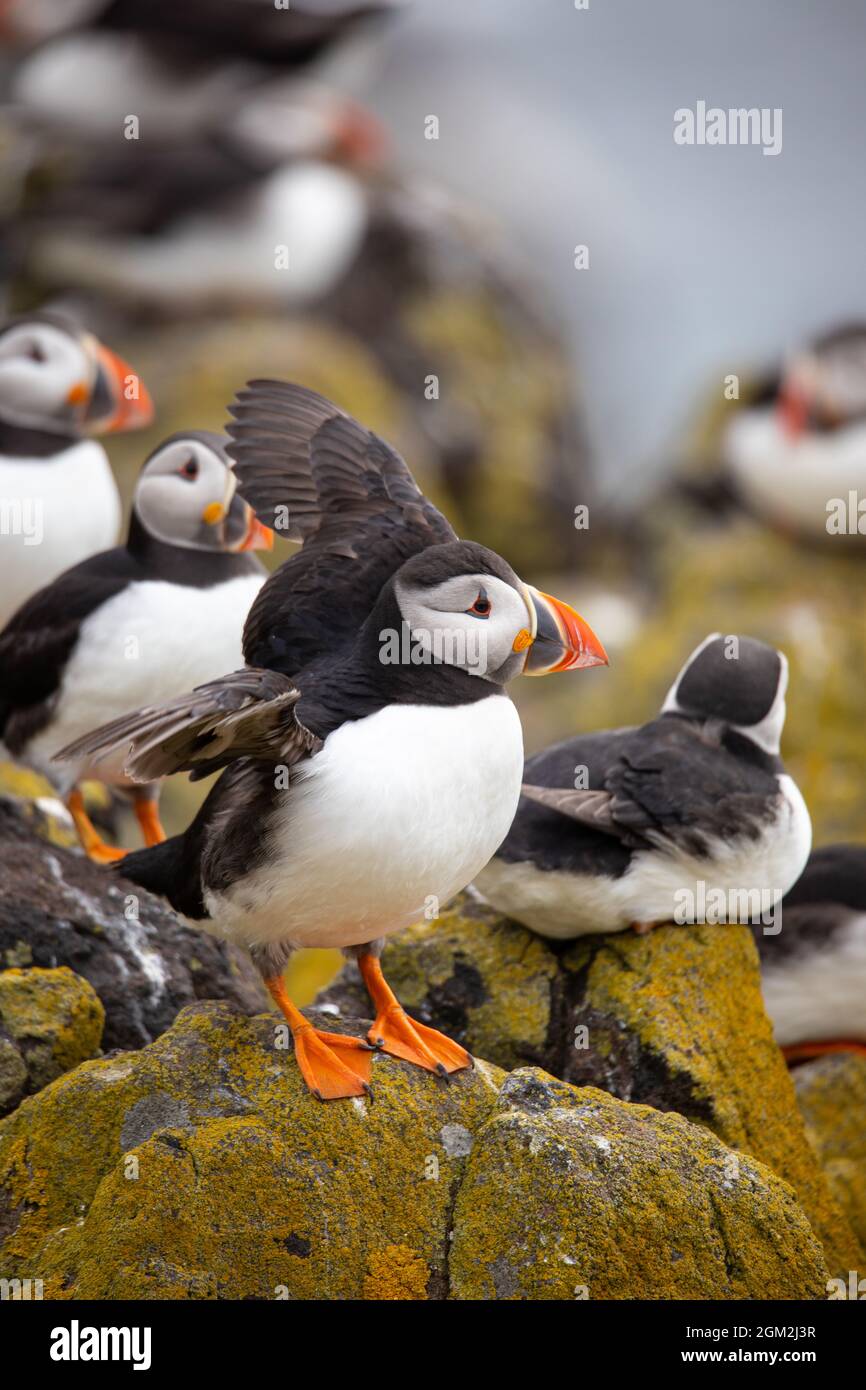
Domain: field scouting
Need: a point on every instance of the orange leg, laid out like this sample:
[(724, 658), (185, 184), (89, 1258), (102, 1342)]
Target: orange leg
[(395, 1032), (804, 1052), (147, 815), (332, 1065), (91, 841)]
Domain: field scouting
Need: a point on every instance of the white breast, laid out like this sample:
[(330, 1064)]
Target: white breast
[(658, 885), (820, 995), (792, 480), (151, 642), (394, 816), (53, 513)]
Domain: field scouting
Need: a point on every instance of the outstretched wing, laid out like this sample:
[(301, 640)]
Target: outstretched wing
[(249, 714), (315, 475)]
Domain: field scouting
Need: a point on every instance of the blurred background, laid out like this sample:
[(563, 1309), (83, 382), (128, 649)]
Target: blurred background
[(698, 383)]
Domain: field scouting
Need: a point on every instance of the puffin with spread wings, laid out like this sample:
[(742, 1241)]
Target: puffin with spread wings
[(372, 759)]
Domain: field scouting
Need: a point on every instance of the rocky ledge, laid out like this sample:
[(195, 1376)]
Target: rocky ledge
[(633, 1131)]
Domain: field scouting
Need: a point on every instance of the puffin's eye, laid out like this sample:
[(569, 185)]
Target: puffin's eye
[(481, 607), (35, 353), (189, 469)]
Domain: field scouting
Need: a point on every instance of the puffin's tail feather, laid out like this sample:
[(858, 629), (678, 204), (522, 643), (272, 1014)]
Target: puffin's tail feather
[(160, 869)]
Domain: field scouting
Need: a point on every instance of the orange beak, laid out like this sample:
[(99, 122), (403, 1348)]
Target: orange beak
[(561, 640), (119, 399), (258, 537), (793, 410)]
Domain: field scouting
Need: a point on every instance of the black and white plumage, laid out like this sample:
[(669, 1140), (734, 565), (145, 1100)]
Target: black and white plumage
[(141, 622), (58, 386), (813, 971), (803, 445), (373, 759), (689, 814), (258, 30)]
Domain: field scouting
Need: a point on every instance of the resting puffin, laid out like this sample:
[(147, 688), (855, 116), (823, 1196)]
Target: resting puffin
[(672, 821), (58, 384), (372, 757), (138, 623), (804, 445), (814, 970)]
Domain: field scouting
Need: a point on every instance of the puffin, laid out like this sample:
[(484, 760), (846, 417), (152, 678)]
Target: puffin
[(58, 499), (813, 972), (796, 455), (690, 817), (370, 756), (263, 31), (138, 623)]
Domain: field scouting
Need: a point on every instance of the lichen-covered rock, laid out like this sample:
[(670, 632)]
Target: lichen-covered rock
[(673, 1019), (832, 1096), (201, 1167), (614, 1201), (58, 908), (676, 1019), (53, 1019)]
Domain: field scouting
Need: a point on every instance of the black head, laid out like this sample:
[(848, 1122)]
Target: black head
[(461, 605), (738, 682)]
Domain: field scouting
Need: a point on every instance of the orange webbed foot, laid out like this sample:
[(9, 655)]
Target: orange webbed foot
[(334, 1066), (91, 841), (399, 1035), (147, 815)]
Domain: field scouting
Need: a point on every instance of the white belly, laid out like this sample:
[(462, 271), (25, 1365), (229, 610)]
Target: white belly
[(792, 480), (53, 513), (150, 643), (726, 885), (394, 816), (820, 995)]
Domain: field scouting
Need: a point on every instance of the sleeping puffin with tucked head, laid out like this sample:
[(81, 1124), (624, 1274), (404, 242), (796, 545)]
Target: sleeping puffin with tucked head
[(139, 623), (689, 817), (813, 972), (58, 385), (372, 759)]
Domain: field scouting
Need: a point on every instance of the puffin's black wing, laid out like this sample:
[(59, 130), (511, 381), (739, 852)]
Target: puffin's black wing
[(315, 475), (40, 637), (248, 714), (670, 781)]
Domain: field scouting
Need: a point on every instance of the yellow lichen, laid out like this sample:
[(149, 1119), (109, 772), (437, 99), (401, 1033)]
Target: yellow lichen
[(395, 1273)]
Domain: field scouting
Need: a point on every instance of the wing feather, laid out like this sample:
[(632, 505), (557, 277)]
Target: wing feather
[(249, 714)]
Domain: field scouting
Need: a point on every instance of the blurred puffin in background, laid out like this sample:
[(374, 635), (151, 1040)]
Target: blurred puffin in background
[(667, 822), (793, 453), (58, 385), (252, 188), (813, 972), (136, 624), (265, 31), (791, 456)]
